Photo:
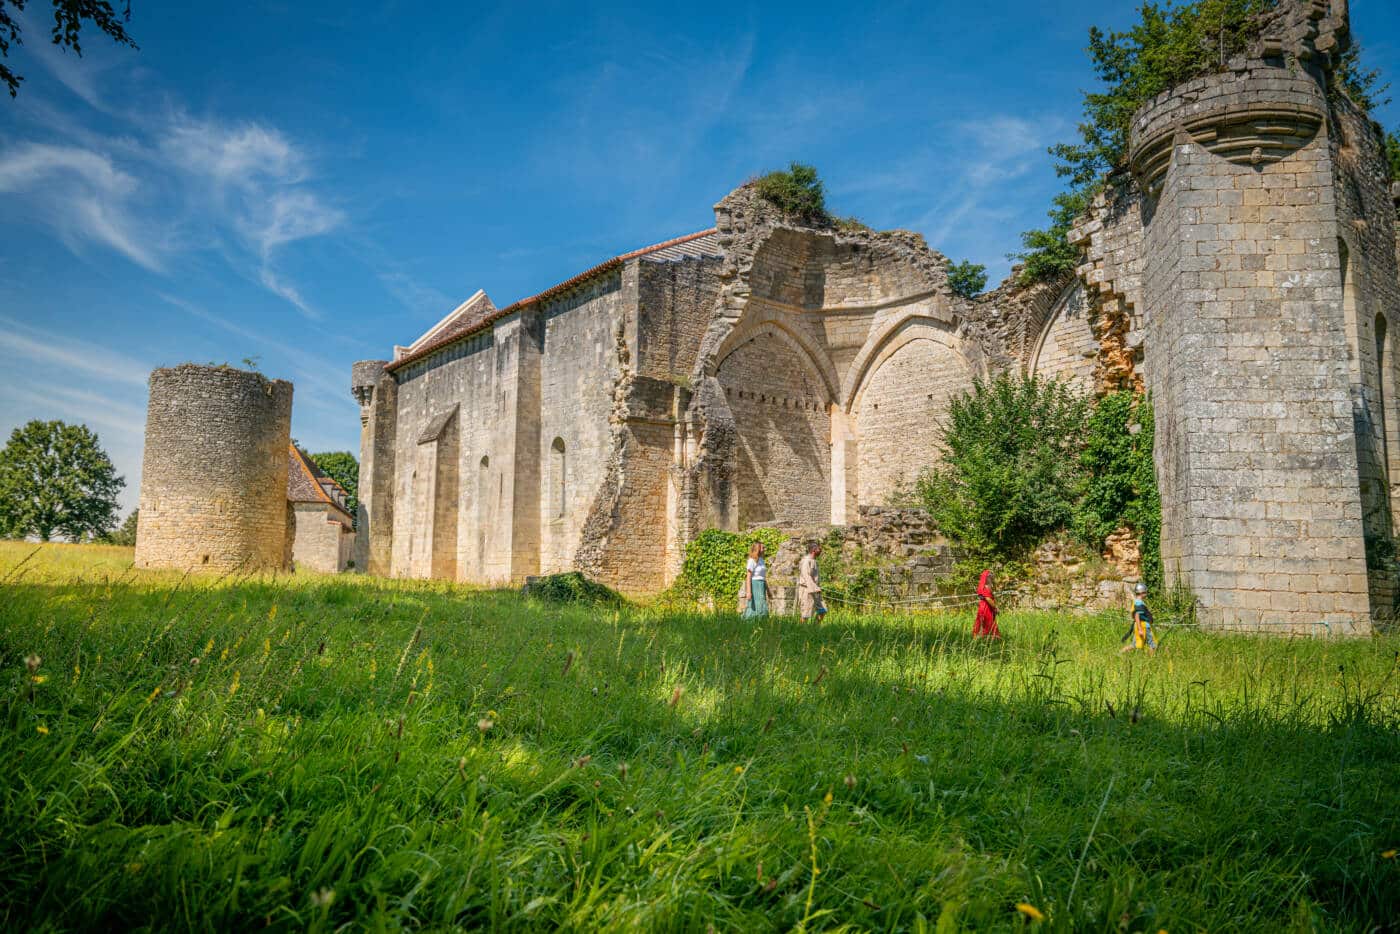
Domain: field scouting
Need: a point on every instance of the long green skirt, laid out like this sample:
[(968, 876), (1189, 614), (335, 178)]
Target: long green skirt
[(758, 600)]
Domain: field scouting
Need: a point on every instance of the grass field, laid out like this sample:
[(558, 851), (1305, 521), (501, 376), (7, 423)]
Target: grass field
[(311, 752)]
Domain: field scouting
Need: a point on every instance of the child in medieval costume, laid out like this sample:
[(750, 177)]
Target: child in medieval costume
[(809, 588), (986, 622), (1141, 631), (753, 595)]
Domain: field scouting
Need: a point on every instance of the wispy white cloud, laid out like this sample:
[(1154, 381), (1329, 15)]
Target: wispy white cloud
[(237, 154), (81, 195), (73, 353), (169, 183)]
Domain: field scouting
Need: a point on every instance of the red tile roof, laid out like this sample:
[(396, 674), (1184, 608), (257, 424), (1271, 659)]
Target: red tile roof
[(667, 248), (304, 481)]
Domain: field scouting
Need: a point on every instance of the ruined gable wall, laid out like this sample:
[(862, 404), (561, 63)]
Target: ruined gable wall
[(214, 471), (834, 306)]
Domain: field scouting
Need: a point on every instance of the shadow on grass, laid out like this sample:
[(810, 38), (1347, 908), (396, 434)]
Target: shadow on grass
[(1000, 752)]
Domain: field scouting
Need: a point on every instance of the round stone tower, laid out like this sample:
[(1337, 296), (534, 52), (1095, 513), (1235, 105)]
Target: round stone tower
[(214, 474)]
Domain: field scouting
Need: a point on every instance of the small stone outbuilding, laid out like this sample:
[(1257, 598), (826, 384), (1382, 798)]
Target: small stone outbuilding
[(324, 535)]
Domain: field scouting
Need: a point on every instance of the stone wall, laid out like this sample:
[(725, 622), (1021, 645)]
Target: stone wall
[(902, 409), (377, 393), (584, 354), (214, 471), (323, 543), (783, 452), (1247, 354), (1068, 348)]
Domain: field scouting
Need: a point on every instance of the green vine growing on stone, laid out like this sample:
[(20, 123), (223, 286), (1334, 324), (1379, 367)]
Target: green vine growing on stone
[(714, 562)]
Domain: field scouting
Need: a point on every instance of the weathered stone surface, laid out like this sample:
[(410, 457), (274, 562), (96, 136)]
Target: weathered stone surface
[(773, 372), (214, 471)]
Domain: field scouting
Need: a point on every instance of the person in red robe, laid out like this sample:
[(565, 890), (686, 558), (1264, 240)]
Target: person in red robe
[(986, 622)]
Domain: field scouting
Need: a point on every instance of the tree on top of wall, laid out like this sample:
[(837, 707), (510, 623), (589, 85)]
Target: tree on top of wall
[(796, 191), (1168, 45), (967, 278)]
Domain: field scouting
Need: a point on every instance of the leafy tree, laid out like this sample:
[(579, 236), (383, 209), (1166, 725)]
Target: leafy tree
[(126, 533), (1120, 486), (967, 278), (797, 192), (1363, 85), (1168, 45), (1010, 470), (1392, 155), (68, 19), (1048, 252), (343, 468), (55, 477)]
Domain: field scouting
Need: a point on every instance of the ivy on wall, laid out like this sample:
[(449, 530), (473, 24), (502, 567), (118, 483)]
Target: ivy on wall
[(715, 561)]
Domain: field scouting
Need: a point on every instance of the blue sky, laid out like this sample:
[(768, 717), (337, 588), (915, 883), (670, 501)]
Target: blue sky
[(308, 186)]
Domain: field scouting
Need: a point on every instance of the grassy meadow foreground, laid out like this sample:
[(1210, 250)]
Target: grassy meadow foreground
[(312, 751)]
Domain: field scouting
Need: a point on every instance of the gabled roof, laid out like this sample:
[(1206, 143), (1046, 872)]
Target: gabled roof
[(307, 483), (462, 318), (700, 243)]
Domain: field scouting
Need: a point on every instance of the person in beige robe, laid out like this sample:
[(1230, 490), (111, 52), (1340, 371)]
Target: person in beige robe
[(809, 588)]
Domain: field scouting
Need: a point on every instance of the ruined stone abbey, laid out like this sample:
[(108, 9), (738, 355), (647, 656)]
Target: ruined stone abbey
[(767, 372), (1242, 270)]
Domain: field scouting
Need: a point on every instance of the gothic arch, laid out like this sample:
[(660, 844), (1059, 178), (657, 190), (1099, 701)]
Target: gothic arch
[(889, 340), (802, 345)]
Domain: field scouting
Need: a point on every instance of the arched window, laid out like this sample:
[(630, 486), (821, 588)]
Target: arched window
[(483, 514), (1383, 392), (558, 501)]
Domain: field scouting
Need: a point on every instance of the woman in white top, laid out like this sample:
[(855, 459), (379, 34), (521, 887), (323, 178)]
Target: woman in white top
[(756, 582)]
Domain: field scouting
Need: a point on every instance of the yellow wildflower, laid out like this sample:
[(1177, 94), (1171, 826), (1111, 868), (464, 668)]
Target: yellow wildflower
[(272, 613), (154, 692), (738, 770), (827, 799), (42, 730), (1030, 911), (233, 688), (1389, 854), (40, 679), (208, 646)]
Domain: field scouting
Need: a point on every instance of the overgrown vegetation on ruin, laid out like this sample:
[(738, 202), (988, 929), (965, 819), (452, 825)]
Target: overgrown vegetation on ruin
[(1170, 44), (714, 563), (1025, 458), (967, 278), (797, 191), (327, 752)]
